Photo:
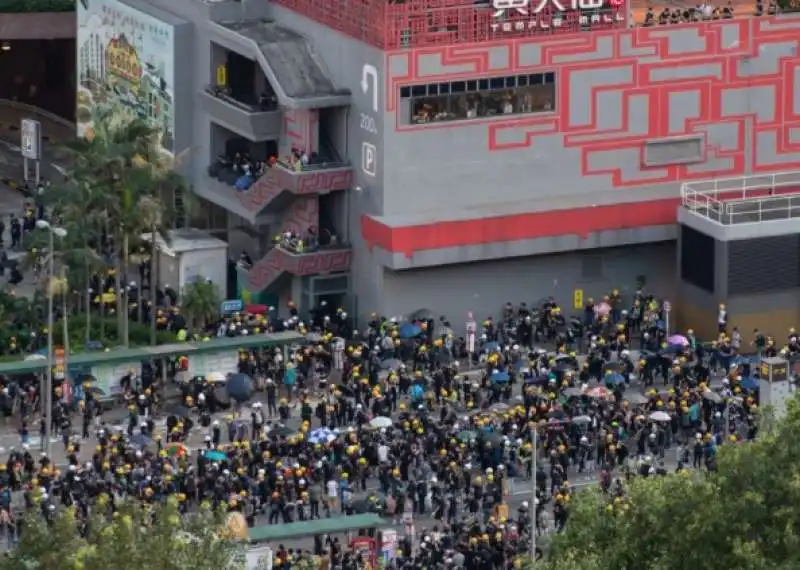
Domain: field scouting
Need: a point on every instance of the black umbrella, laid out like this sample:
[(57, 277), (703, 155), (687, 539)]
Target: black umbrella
[(283, 431), (391, 364), (179, 410), (421, 315), (221, 397), (141, 441), (240, 387)]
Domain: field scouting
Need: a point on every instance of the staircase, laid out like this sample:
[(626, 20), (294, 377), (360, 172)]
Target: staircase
[(278, 261), (278, 180)]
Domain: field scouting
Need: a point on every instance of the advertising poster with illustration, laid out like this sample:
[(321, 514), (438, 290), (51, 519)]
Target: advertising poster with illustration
[(126, 69)]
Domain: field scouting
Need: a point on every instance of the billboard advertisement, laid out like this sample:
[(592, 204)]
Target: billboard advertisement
[(125, 67)]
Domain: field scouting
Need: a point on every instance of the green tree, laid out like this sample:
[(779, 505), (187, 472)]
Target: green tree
[(121, 175), (743, 516), (133, 538), (200, 301)]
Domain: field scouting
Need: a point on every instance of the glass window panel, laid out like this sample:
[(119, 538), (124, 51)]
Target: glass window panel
[(497, 83), (532, 98), (444, 88), (522, 80), (433, 89), (511, 82), (472, 85), (550, 78), (405, 92), (483, 84), (458, 87), (419, 91)]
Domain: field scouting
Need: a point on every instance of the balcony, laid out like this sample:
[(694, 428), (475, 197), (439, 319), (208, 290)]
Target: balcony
[(251, 121), (255, 194), (280, 260)]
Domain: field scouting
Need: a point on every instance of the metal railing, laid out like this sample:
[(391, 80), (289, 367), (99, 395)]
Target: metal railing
[(744, 199)]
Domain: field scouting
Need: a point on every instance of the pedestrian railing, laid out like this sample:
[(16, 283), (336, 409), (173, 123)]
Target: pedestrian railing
[(745, 199)]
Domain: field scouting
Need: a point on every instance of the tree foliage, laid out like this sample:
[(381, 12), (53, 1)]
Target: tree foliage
[(133, 538), (744, 516), (201, 301)]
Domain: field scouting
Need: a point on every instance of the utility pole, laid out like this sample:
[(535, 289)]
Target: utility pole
[(533, 497)]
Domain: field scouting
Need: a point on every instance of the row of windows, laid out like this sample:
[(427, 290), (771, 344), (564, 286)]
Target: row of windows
[(532, 99), (475, 85)]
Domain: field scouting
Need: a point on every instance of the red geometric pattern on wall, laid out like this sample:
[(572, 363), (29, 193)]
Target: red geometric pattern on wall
[(278, 261), (642, 53), (278, 180)]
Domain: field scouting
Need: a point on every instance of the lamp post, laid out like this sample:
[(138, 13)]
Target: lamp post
[(48, 391)]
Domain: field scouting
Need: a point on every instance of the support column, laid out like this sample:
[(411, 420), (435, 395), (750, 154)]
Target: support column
[(300, 131)]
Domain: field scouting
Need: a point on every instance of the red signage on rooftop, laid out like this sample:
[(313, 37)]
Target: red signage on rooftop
[(416, 23)]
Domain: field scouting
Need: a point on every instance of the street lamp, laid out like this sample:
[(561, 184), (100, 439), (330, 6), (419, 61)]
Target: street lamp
[(48, 391)]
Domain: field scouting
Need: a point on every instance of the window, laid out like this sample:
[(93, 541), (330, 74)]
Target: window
[(486, 97)]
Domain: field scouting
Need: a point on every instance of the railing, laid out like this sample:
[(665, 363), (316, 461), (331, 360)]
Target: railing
[(747, 199)]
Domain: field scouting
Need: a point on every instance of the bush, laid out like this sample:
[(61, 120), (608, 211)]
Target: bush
[(138, 333)]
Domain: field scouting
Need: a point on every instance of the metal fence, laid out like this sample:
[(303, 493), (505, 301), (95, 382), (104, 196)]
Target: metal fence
[(745, 199)]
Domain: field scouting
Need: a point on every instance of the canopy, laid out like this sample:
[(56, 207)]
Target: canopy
[(274, 532)]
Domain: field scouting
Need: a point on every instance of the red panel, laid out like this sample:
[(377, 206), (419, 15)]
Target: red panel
[(576, 221)]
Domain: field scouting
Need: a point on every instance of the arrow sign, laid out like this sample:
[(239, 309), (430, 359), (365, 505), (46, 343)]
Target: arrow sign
[(367, 72)]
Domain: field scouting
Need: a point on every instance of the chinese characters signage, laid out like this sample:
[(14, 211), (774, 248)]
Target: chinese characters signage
[(521, 15)]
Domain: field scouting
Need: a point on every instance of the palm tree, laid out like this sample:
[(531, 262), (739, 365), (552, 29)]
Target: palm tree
[(127, 175), (200, 302)]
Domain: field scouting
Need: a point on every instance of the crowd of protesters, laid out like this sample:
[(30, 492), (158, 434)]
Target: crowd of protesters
[(415, 422)]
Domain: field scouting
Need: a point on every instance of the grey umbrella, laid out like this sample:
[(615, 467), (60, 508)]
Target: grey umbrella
[(391, 364), (421, 315)]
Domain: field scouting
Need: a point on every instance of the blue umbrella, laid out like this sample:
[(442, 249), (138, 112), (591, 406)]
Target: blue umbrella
[(491, 346), (213, 455), (409, 330), (417, 392), (140, 441), (500, 377), (614, 379), (240, 387), (321, 435), (749, 383)]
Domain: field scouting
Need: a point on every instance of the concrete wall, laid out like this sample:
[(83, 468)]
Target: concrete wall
[(484, 288)]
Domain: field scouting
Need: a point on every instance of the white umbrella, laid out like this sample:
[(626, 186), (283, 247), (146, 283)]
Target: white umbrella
[(216, 377), (380, 422), (36, 357), (660, 417)]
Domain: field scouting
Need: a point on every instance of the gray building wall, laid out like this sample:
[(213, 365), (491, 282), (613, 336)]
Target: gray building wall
[(485, 287)]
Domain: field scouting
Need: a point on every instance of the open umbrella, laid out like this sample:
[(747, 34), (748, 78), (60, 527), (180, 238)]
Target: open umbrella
[(573, 392), (602, 309), (598, 392), (499, 407), (179, 410), (240, 387), (581, 420), (467, 435), (678, 340), (141, 441), (322, 435), (614, 379), (216, 377), (380, 422), (283, 431), (409, 330), (176, 449), (493, 438), (443, 330), (314, 337), (500, 377), (712, 397), (660, 417), (749, 383), (391, 364), (636, 399), (421, 315), (214, 455)]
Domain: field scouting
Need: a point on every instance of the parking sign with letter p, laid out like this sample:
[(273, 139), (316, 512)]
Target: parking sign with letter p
[(369, 159)]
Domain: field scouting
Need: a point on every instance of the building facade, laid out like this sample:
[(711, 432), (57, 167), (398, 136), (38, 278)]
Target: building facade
[(461, 162)]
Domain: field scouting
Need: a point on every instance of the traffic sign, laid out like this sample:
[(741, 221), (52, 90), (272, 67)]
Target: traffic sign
[(667, 306), (231, 306)]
